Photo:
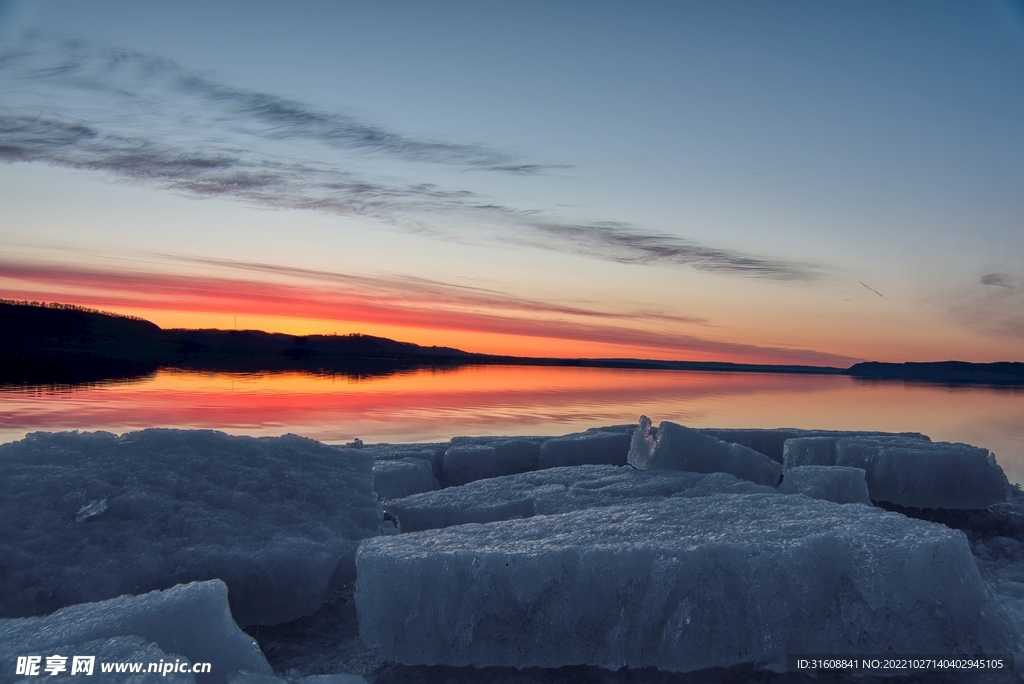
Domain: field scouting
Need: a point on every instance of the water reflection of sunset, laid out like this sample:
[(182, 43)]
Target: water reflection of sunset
[(438, 404)]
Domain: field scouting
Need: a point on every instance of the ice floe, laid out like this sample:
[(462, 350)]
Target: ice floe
[(189, 622), (393, 479), (92, 516), (555, 490), (681, 584), (675, 447), (838, 484), (908, 471)]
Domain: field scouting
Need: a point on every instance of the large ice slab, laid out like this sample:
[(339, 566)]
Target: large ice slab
[(92, 516), (909, 471), (809, 451), (680, 584), (996, 536), (838, 484), (555, 490), (394, 479), (516, 455), (771, 441), (926, 474), (427, 451), (675, 447), (190, 620), (468, 461), (820, 449), (594, 447)]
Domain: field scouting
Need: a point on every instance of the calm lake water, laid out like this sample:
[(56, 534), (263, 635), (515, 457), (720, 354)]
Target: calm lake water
[(430, 405)]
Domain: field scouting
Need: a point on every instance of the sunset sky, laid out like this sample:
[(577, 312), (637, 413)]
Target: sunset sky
[(810, 182)]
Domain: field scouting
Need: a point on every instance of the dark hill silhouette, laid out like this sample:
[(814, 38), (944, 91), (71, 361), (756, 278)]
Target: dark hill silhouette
[(254, 350), (61, 344), (58, 344), (944, 372)]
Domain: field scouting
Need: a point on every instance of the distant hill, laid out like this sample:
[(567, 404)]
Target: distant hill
[(58, 344), (945, 372)]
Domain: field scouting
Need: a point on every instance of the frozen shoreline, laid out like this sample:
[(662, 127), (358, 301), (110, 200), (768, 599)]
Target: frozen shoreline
[(280, 519)]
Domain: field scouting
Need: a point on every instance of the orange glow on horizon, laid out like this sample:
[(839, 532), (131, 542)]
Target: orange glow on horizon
[(464, 340), (433, 313)]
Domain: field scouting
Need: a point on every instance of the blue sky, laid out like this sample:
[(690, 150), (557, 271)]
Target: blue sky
[(746, 181)]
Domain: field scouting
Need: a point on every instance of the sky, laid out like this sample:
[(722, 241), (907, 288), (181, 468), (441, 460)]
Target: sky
[(791, 182)]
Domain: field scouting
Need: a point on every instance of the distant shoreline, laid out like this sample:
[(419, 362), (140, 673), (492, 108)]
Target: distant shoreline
[(58, 344)]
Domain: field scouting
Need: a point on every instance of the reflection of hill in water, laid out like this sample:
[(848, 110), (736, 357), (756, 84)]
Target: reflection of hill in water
[(40, 389), (355, 372)]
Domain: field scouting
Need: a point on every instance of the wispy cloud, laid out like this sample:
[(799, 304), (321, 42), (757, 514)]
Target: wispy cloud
[(146, 120), (996, 309), (367, 300), (148, 85)]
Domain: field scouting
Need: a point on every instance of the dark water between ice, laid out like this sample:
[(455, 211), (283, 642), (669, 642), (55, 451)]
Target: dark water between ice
[(436, 405)]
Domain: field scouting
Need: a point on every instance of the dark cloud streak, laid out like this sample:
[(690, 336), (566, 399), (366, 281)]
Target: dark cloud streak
[(133, 79), (619, 242), (997, 279), (868, 287)]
